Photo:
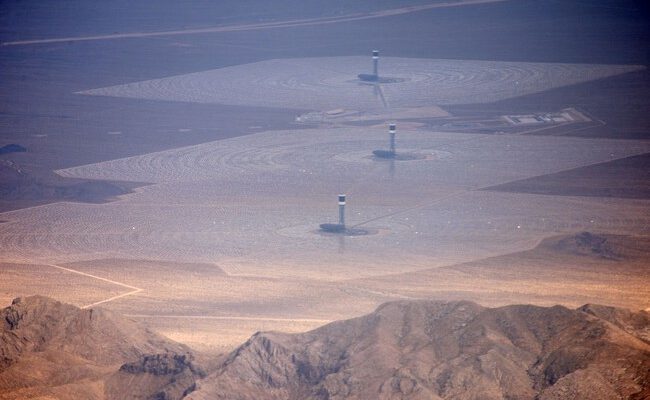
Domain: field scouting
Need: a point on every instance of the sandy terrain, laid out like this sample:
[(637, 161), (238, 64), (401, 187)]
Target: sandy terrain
[(545, 275), (26, 279)]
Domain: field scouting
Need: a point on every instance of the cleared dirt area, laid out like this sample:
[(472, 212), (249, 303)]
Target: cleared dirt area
[(29, 279)]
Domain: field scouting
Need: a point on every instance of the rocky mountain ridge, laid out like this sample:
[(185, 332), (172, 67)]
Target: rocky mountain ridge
[(447, 350), (403, 350), (53, 350)]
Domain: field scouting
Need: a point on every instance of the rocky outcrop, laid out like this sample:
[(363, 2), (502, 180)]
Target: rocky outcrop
[(48, 348), (161, 364), (586, 243), (162, 376)]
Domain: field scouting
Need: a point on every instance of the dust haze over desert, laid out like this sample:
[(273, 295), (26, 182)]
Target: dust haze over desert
[(419, 199)]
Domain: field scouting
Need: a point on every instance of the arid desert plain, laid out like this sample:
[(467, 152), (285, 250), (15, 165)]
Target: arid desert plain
[(524, 177)]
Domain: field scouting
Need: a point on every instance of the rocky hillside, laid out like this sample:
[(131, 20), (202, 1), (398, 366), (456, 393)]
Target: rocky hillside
[(53, 350), (453, 350), (403, 350)]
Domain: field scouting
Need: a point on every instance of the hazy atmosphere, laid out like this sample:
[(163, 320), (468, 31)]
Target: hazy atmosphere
[(325, 199)]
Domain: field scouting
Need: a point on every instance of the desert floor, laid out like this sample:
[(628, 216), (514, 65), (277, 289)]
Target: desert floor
[(236, 162)]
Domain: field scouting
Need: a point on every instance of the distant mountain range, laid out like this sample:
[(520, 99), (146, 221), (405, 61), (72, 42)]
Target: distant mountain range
[(403, 350)]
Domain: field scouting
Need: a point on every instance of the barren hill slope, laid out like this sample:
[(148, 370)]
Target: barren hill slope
[(53, 350), (446, 350)]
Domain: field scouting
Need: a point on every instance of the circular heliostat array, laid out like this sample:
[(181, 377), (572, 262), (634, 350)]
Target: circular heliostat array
[(327, 83), (262, 196)]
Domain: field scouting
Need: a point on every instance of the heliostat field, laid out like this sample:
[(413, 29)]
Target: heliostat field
[(331, 82)]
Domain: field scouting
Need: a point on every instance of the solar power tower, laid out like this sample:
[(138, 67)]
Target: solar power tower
[(374, 77), (340, 227), (391, 153)]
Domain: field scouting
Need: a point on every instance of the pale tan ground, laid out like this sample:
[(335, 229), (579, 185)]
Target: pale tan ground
[(216, 335), (542, 276), (200, 305), (27, 279)]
